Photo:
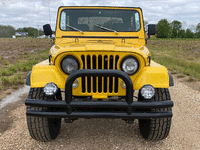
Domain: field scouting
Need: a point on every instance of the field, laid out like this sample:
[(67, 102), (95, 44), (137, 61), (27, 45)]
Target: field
[(179, 56), (17, 56)]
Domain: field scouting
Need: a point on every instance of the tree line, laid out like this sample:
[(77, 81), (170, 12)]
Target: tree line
[(165, 29), (8, 31)]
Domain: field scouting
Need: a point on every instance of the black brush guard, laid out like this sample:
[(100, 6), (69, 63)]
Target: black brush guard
[(68, 109)]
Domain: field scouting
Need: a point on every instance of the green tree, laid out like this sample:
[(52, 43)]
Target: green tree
[(33, 32), (176, 28), (41, 32), (188, 34), (20, 30), (197, 35), (181, 33), (6, 31), (163, 29), (198, 27)]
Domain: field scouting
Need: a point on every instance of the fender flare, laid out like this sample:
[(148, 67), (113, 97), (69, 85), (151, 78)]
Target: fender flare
[(28, 79), (171, 80)]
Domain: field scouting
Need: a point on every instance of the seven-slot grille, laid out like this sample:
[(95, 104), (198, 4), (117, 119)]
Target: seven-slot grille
[(100, 84)]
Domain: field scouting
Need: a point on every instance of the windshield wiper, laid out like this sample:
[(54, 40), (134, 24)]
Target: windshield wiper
[(102, 27), (75, 28)]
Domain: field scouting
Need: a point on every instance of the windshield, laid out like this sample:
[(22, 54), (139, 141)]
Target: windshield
[(100, 20)]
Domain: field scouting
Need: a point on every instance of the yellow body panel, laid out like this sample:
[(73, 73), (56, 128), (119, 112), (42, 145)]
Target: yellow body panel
[(155, 75), (119, 47), (44, 73)]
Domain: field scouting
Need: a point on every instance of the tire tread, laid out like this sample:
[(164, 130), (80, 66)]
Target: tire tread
[(159, 128), (38, 127)]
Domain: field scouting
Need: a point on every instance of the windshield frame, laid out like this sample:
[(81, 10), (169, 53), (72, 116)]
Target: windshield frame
[(103, 8)]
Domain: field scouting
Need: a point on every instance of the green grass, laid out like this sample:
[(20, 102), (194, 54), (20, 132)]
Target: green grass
[(179, 65), (12, 75), (1, 57), (24, 64), (179, 56), (21, 65), (4, 80), (6, 73), (29, 61), (174, 39), (23, 54), (12, 80), (6, 62), (12, 68)]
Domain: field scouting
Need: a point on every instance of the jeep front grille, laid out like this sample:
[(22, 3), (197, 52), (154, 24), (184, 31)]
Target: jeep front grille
[(100, 84)]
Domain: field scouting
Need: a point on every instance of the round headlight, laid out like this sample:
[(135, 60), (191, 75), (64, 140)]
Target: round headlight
[(69, 64), (130, 65), (147, 91), (50, 89)]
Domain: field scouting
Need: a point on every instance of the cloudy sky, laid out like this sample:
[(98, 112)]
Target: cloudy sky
[(35, 13)]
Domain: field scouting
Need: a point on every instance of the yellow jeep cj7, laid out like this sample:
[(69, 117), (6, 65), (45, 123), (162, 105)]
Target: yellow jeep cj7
[(99, 59)]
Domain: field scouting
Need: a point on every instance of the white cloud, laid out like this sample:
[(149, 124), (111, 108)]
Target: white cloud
[(24, 13), (28, 13)]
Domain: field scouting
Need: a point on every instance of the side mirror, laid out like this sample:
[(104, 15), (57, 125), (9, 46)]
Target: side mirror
[(151, 30), (47, 30)]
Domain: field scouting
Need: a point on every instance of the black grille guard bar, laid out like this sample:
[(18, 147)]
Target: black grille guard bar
[(99, 73), (85, 104), (65, 109), (135, 115)]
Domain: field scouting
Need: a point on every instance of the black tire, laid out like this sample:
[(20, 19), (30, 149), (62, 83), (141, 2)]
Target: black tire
[(156, 129), (42, 129)]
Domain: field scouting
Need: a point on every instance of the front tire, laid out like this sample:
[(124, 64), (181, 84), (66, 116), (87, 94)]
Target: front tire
[(156, 129), (42, 129)]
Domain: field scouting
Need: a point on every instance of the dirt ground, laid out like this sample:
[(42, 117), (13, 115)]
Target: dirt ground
[(109, 133), (12, 50)]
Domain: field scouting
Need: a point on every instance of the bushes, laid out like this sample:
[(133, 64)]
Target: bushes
[(12, 68), (12, 75), (26, 65), (12, 80)]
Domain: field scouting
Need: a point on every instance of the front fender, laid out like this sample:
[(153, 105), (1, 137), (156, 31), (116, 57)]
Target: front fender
[(44, 73), (157, 76)]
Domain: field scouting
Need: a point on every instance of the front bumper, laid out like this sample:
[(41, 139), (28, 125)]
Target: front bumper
[(70, 108)]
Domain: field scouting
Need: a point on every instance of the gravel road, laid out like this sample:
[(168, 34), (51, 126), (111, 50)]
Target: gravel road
[(108, 133)]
